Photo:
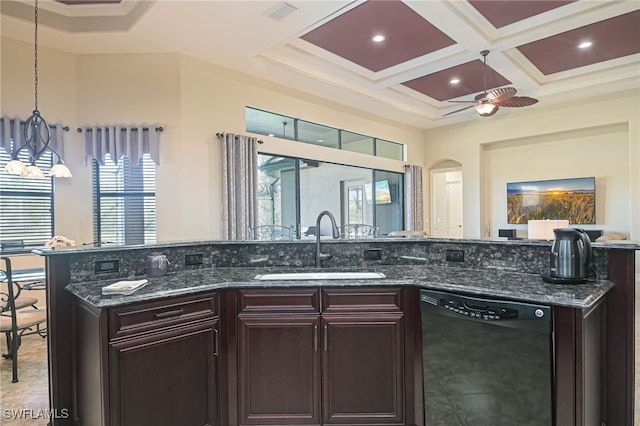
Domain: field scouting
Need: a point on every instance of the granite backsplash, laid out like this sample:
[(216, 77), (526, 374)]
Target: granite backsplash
[(531, 258)]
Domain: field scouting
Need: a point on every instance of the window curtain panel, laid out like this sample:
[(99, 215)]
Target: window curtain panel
[(239, 185), (118, 141), (12, 129), (414, 198)]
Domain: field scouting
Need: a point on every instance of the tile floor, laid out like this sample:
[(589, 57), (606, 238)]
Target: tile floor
[(31, 394)]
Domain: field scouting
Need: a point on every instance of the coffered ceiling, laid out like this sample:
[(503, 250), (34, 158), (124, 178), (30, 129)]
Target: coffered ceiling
[(325, 48)]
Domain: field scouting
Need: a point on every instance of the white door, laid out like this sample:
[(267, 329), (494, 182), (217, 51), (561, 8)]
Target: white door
[(353, 202), (446, 203)]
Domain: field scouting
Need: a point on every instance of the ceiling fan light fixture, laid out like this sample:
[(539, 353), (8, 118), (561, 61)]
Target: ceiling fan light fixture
[(486, 109), (488, 103)]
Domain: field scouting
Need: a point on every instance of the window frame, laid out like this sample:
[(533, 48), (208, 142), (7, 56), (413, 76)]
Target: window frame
[(9, 187), (100, 194), (294, 122), (373, 176)]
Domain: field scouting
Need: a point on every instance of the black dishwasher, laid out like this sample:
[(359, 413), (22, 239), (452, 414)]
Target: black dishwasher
[(486, 362)]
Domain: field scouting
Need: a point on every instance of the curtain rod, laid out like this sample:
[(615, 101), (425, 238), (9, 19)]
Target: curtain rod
[(65, 128), (157, 129), (220, 135)]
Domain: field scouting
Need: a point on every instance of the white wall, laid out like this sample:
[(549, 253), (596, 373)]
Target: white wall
[(213, 99), (558, 156), (192, 100), (597, 138)]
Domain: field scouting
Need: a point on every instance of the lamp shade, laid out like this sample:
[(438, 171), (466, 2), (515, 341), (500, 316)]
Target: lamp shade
[(33, 171), (15, 167), (60, 170)]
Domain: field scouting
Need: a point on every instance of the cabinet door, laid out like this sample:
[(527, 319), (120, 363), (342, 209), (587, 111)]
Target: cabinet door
[(362, 369), (279, 370), (165, 379)]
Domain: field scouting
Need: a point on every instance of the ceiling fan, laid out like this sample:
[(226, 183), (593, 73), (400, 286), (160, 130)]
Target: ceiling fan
[(488, 104)]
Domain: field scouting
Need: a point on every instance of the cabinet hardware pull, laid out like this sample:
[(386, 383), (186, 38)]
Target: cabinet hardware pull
[(217, 342), (315, 338), (326, 332), (168, 314)]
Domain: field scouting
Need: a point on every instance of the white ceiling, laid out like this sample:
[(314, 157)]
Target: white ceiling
[(238, 35)]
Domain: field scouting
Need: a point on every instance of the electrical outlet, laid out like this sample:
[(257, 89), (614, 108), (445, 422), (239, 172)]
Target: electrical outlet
[(193, 259), (455, 255), (105, 266), (373, 254)]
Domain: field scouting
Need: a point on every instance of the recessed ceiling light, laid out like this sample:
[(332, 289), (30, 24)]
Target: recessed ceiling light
[(378, 38), (585, 44), (271, 134), (454, 81), (320, 140)]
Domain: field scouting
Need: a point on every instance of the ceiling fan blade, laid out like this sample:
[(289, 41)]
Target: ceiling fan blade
[(458, 110), (517, 101), (498, 95)]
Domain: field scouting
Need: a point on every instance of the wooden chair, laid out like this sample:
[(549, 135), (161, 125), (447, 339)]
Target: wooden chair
[(359, 231), (17, 322), (23, 301), (271, 232)]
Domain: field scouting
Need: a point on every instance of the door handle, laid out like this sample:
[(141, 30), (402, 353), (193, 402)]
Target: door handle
[(217, 342), (315, 338), (326, 332), (168, 314)]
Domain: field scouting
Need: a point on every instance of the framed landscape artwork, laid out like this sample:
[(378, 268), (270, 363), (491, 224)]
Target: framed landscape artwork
[(383, 192), (571, 199)]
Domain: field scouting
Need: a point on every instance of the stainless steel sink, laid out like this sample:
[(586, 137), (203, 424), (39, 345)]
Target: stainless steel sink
[(321, 276)]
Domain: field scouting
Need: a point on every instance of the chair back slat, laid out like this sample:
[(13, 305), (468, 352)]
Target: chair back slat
[(271, 232)]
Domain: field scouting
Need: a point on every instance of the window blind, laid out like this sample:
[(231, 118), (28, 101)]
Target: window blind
[(124, 201), (26, 204)]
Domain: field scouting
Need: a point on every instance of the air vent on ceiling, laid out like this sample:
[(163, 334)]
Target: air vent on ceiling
[(280, 11)]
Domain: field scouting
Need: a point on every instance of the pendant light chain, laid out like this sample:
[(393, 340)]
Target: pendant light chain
[(36, 132), (35, 65)]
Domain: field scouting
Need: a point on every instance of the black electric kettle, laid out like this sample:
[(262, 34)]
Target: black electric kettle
[(570, 255)]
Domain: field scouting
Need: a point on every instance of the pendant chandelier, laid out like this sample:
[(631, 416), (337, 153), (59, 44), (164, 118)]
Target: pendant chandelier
[(37, 133)]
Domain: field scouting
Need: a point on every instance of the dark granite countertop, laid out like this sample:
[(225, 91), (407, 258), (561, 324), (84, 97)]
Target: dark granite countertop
[(489, 283), (49, 251)]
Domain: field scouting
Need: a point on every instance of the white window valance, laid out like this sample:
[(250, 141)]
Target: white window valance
[(118, 141), (12, 129)]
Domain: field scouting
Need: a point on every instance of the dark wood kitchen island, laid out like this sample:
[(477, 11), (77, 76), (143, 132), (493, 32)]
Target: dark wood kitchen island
[(211, 336)]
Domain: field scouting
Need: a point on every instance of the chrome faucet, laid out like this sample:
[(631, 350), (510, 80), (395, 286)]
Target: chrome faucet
[(320, 256)]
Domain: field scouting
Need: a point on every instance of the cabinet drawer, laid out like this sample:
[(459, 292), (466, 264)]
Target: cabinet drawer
[(288, 300), (355, 300), (146, 317)]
